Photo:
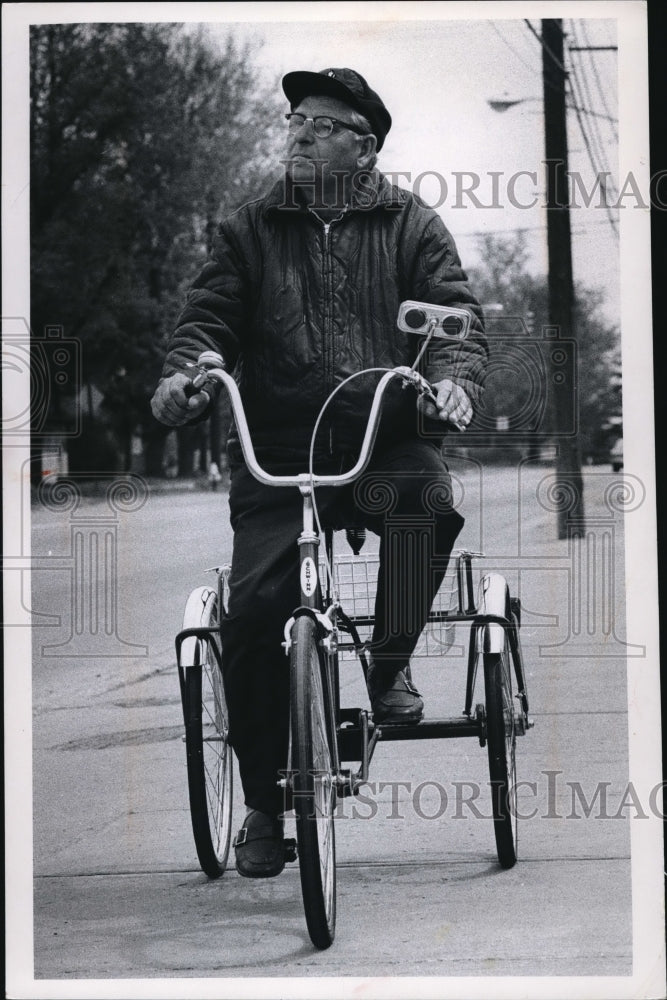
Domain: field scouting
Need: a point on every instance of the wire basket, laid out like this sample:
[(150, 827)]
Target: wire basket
[(356, 578)]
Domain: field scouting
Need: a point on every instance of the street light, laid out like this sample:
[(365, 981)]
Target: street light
[(501, 104), (505, 103)]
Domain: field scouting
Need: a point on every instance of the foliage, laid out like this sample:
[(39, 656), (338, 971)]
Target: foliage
[(142, 137)]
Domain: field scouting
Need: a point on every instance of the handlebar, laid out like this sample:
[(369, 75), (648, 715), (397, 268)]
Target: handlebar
[(211, 370)]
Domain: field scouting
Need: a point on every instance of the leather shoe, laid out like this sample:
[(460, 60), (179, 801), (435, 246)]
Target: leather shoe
[(260, 846), (394, 698)]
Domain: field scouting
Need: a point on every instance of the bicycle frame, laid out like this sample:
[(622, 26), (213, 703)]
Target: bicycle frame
[(323, 735), (493, 616)]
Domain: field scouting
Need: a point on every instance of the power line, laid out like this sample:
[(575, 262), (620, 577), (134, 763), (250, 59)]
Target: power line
[(581, 107), (546, 48), (582, 84), (588, 96), (594, 165), (578, 231), (595, 147), (610, 35), (549, 83), (514, 52), (584, 110), (598, 82), (594, 114), (584, 134), (578, 110)]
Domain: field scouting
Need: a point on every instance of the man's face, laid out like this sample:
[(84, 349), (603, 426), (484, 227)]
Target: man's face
[(323, 161)]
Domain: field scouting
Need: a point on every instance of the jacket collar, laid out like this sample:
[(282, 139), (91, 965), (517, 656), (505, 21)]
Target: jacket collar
[(373, 190)]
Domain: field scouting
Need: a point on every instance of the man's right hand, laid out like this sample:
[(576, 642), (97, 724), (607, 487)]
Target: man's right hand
[(171, 406)]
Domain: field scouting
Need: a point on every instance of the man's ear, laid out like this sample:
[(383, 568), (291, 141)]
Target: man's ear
[(367, 152)]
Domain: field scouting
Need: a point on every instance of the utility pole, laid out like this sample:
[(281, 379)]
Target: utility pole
[(561, 287)]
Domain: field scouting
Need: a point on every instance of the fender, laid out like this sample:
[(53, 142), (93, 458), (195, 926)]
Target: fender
[(322, 621), (197, 608), (493, 599)]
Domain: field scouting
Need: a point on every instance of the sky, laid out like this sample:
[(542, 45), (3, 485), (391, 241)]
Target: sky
[(436, 66), (436, 77)]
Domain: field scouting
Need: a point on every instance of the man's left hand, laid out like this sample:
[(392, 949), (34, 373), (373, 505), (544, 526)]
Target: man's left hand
[(452, 404)]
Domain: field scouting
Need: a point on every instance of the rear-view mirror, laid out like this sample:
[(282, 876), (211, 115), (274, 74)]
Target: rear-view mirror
[(446, 322)]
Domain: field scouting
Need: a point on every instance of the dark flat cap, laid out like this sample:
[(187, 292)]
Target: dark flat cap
[(348, 86)]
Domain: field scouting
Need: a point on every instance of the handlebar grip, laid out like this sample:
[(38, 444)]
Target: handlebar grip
[(195, 386)]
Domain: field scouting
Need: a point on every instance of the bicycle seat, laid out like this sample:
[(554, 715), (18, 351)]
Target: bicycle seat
[(346, 521)]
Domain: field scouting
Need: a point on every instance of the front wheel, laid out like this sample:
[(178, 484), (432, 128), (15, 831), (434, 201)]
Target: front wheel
[(313, 785), (501, 742), (208, 753)]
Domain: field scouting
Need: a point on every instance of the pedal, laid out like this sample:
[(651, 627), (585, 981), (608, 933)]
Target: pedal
[(291, 853), (480, 719)]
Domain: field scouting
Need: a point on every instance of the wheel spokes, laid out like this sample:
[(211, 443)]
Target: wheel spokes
[(215, 747), (323, 788)]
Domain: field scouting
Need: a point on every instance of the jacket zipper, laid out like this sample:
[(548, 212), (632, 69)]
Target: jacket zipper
[(328, 315), (328, 308), (328, 325)]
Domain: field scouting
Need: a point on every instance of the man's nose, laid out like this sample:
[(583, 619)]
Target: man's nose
[(306, 134)]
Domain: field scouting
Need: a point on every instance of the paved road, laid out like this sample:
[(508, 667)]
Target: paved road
[(118, 892)]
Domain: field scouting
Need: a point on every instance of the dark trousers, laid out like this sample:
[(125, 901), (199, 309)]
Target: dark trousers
[(404, 497)]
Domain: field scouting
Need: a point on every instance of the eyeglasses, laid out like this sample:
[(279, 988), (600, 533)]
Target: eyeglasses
[(323, 125)]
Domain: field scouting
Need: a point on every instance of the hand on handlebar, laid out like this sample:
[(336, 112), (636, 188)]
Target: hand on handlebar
[(451, 404), (174, 404)]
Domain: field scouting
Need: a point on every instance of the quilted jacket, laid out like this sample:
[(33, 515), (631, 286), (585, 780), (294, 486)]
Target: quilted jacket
[(295, 306)]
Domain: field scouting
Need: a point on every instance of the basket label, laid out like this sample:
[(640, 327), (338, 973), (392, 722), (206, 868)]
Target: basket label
[(308, 577)]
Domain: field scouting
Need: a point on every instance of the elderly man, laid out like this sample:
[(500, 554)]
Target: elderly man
[(302, 289)]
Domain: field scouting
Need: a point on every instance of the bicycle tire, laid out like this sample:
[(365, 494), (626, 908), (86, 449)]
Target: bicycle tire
[(501, 744), (208, 753), (313, 788)]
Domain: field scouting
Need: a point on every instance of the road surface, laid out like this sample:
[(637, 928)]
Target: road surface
[(118, 893)]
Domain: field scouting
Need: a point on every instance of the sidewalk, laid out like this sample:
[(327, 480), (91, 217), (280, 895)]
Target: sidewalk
[(118, 892), (97, 487)]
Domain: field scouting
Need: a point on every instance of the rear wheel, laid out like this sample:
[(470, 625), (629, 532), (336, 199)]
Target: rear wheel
[(314, 790), (501, 742), (208, 753)]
